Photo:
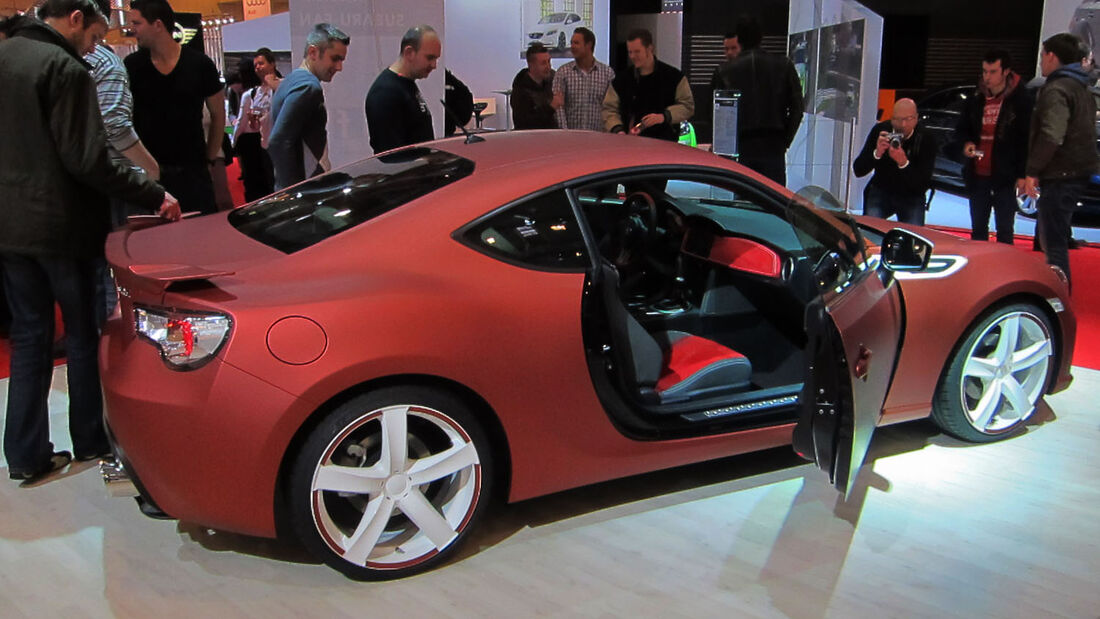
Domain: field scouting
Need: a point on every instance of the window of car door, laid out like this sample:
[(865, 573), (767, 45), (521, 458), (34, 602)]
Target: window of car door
[(538, 232)]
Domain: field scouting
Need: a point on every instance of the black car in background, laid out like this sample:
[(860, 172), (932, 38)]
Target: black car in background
[(940, 112)]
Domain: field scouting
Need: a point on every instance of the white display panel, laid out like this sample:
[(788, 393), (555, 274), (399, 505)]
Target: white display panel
[(839, 52)]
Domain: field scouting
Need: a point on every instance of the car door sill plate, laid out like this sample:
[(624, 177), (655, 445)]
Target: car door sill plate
[(748, 407)]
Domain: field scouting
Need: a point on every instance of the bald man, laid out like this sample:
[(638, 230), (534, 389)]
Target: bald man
[(901, 154)]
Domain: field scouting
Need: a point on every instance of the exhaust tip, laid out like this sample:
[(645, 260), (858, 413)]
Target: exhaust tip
[(116, 479)]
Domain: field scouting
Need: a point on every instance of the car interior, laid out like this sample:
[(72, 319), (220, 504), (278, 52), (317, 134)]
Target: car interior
[(695, 315)]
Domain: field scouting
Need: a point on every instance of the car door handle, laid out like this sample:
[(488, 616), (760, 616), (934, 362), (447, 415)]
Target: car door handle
[(863, 363)]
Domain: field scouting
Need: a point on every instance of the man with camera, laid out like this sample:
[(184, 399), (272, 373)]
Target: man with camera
[(901, 154)]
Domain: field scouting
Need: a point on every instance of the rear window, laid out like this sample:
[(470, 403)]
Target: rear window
[(310, 212)]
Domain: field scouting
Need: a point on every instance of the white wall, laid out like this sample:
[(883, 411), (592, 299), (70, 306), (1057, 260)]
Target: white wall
[(483, 40), (272, 32), (375, 29)]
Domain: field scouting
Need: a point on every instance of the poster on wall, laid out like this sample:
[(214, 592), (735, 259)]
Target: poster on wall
[(802, 50), (840, 71), (552, 22), (1078, 17)]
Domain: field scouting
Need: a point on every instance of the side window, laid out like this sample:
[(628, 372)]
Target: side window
[(541, 232)]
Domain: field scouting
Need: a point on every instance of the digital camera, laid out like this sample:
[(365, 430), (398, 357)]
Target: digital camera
[(895, 139)]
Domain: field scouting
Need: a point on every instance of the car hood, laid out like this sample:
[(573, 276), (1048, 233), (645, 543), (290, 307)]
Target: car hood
[(192, 249)]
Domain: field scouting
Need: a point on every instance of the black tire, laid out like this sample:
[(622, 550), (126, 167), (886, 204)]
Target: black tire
[(561, 42), (347, 455), (958, 407)]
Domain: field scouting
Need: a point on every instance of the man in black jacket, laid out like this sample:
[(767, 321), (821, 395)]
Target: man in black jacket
[(1062, 138), (653, 99), (993, 133), (54, 217), (532, 92), (770, 110), (901, 154)]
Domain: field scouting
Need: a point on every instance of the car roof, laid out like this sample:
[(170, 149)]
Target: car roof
[(558, 156)]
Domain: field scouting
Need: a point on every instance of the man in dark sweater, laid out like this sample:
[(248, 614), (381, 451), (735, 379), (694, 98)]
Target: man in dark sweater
[(653, 99), (901, 154), (54, 216), (298, 116), (993, 133), (532, 92), (396, 113), (1063, 154)]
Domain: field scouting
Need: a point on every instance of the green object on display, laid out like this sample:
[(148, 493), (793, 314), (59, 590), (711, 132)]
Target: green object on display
[(687, 134)]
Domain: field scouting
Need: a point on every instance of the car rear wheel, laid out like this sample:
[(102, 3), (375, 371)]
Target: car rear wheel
[(996, 376), (561, 41), (1027, 206), (390, 482)]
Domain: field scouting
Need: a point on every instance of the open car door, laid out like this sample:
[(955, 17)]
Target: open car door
[(853, 329)]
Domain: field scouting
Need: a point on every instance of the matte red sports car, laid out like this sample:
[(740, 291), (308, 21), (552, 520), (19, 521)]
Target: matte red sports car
[(364, 359)]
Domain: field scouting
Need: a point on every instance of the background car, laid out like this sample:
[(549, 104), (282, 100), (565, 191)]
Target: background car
[(555, 30), (364, 360), (940, 113)]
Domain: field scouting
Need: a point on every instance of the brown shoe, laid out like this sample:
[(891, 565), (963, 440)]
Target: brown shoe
[(58, 461)]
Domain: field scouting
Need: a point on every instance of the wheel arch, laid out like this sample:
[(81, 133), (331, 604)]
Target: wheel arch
[(485, 414)]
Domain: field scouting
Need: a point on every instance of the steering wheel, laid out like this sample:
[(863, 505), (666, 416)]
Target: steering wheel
[(636, 230)]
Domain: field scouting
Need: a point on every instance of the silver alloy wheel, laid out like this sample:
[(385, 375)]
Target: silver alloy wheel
[(1005, 372), (395, 487), (1027, 205)]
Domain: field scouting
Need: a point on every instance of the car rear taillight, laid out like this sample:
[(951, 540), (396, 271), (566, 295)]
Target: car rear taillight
[(186, 339)]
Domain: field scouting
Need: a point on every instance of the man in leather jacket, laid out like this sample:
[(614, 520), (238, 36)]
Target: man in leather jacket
[(1062, 153), (770, 110), (54, 217)]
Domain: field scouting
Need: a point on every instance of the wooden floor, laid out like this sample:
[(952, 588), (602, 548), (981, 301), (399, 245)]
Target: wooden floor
[(935, 528)]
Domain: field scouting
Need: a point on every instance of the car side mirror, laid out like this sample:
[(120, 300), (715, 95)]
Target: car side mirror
[(903, 250)]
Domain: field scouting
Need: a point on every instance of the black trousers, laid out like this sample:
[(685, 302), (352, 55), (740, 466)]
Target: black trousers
[(1057, 203), (256, 171), (191, 185), (878, 202), (984, 195), (33, 284)]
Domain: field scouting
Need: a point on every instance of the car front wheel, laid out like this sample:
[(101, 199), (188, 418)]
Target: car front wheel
[(996, 376), (390, 482)]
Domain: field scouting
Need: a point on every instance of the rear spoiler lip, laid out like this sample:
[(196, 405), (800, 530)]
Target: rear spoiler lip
[(153, 276), (167, 274)]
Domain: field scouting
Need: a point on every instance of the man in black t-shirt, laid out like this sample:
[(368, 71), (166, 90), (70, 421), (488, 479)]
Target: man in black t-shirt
[(396, 113), (171, 83)]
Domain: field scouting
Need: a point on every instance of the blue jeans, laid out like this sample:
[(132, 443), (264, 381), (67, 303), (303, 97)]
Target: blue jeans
[(985, 195), (33, 284), (878, 202), (1057, 202)]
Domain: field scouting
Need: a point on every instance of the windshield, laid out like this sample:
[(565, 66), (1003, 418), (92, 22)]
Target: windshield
[(553, 18), (312, 211), (825, 225)]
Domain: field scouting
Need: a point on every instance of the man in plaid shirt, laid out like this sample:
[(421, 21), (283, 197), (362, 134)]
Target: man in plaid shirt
[(580, 86)]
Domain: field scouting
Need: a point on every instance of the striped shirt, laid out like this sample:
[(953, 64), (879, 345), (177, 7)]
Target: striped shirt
[(116, 104), (584, 92)]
